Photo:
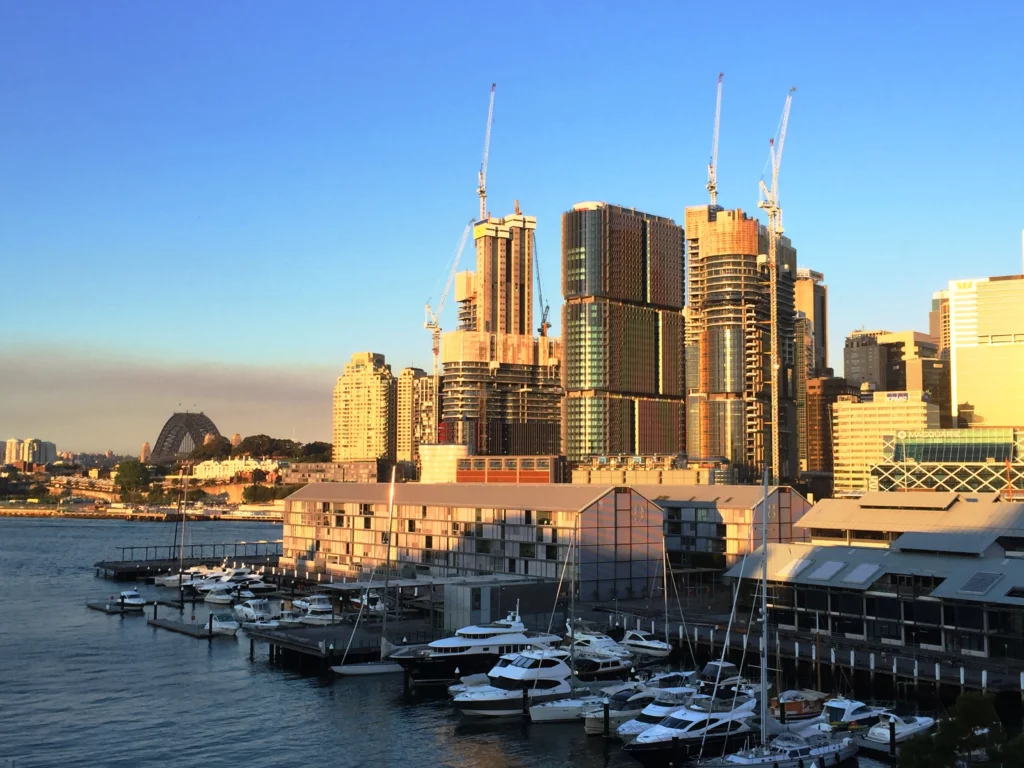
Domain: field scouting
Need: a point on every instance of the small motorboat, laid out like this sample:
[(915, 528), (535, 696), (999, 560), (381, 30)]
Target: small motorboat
[(288, 619), (224, 624), (646, 644), (183, 577), (254, 610), (303, 603), (259, 587), (319, 611), (383, 667), (371, 603), (901, 727), (130, 600), (262, 624), (795, 705), (622, 706), (667, 701), (566, 710), (223, 594), (842, 713)]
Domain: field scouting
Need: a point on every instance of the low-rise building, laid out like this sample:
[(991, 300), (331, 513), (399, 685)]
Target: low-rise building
[(510, 469), (228, 468), (368, 471)]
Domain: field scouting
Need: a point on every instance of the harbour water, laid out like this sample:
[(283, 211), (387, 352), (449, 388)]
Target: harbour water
[(81, 688)]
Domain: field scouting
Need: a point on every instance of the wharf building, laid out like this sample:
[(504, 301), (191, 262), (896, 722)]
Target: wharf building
[(356, 471), (728, 342), (501, 389), (940, 572), (474, 529), (986, 326), (622, 320), (859, 428), (364, 410), (979, 459)]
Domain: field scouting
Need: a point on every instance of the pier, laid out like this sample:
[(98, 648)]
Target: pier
[(143, 562)]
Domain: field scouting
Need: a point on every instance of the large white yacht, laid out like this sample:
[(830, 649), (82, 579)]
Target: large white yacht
[(473, 650), (894, 727), (646, 644), (668, 700), (534, 677), (706, 725)]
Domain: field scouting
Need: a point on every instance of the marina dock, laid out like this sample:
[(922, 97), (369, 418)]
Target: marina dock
[(198, 631), (136, 563)]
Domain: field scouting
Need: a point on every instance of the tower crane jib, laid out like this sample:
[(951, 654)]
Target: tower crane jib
[(713, 165), (482, 177)]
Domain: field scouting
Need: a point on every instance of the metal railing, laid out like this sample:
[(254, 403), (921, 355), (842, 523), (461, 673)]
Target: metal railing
[(233, 550)]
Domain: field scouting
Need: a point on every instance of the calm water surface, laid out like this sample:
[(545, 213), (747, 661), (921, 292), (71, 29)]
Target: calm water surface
[(80, 688)]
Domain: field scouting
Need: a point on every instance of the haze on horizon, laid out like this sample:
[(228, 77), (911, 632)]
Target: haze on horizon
[(215, 207)]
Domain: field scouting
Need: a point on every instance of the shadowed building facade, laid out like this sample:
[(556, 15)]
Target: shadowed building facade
[(622, 321)]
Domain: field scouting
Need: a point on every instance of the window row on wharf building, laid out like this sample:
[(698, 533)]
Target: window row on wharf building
[(454, 529)]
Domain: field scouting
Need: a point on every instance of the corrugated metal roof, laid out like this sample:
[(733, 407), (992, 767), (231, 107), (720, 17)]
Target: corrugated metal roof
[(893, 512), (971, 542), (956, 571), (555, 496), (729, 496)]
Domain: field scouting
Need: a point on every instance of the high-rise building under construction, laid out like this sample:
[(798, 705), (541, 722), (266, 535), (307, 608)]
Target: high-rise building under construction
[(622, 321), (501, 391), (728, 342)]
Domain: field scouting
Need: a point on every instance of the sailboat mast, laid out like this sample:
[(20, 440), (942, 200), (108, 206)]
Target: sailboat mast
[(764, 612), (181, 548), (387, 558), (664, 582)]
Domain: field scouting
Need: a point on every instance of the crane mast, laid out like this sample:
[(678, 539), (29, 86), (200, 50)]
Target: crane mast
[(544, 308), (770, 203), (713, 165), (481, 189), (433, 324)]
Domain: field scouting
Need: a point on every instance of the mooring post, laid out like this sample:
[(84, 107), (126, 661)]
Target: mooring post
[(852, 659), (871, 665), (252, 649), (796, 653), (526, 703), (210, 626), (122, 605), (607, 720), (961, 679), (156, 604), (832, 658), (892, 737), (984, 681), (938, 673)]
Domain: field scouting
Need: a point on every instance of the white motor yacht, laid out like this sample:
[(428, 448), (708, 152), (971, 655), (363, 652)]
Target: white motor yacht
[(543, 674), (791, 750), (843, 713), (303, 603), (224, 594), (724, 674), (594, 644), (646, 644), (475, 649), (574, 707), (319, 611), (224, 624), (471, 681), (184, 577), (667, 701), (288, 619), (254, 610), (626, 704), (131, 600), (906, 727), (705, 725), (262, 624)]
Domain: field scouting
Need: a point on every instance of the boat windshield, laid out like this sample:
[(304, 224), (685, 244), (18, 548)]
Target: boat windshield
[(647, 637), (633, 703), (683, 723), (835, 712)]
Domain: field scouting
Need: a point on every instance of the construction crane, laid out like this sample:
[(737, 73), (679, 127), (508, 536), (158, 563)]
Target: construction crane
[(769, 201), (433, 324), (544, 308), (713, 165), (481, 188)]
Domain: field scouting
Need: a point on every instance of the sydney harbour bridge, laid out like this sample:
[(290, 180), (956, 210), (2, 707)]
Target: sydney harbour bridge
[(182, 433)]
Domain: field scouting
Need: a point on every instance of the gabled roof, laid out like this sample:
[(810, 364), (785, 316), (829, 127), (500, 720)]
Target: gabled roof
[(554, 496), (963, 542), (972, 579), (727, 496)]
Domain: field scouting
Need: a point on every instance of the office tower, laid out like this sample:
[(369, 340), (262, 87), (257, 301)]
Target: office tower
[(879, 358), (986, 328), (501, 392), (236, 440), (822, 393), (414, 405), (859, 428), (810, 295), (728, 342), (364, 410), (804, 362), (931, 376), (938, 322), (145, 453), (35, 451), (622, 280), (12, 451)]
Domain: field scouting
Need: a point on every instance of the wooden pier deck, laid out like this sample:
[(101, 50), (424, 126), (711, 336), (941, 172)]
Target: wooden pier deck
[(133, 570), (113, 607), (198, 631)]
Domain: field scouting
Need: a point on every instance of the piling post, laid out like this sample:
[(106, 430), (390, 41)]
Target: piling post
[(680, 635), (696, 640), (526, 703), (892, 737), (984, 681), (675, 751), (894, 668), (852, 659), (938, 673), (1022, 686), (711, 639), (746, 639), (252, 649), (961, 679), (871, 666), (607, 721), (210, 626), (156, 605), (122, 605), (832, 658), (915, 671), (796, 653)]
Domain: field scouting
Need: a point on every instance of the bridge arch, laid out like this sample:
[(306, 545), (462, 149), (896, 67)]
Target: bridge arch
[(182, 433)]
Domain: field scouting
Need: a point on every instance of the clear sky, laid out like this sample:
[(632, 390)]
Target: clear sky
[(217, 203)]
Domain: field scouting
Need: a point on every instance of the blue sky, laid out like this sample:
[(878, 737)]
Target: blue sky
[(274, 186)]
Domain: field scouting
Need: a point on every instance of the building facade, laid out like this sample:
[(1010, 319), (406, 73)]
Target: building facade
[(414, 414), (810, 296), (145, 453), (938, 322), (511, 469), (728, 342), (822, 393), (35, 451), (979, 459), (622, 320), (12, 450), (859, 428), (501, 389), (471, 529), (986, 319), (229, 468), (366, 471), (364, 410)]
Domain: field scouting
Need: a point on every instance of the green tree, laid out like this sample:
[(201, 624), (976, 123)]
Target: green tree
[(39, 491), (257, 494), (259, 476), (132, 478), (316, 452), (218, 448)]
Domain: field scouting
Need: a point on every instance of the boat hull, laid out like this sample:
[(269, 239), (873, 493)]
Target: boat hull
[(511, 706), (827, 760), (430, 670), (674, 752), (568, 712), (593, 724), (369, 668)]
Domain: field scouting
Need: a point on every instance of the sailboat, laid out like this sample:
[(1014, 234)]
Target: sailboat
[(382, 667), (789, 749)]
